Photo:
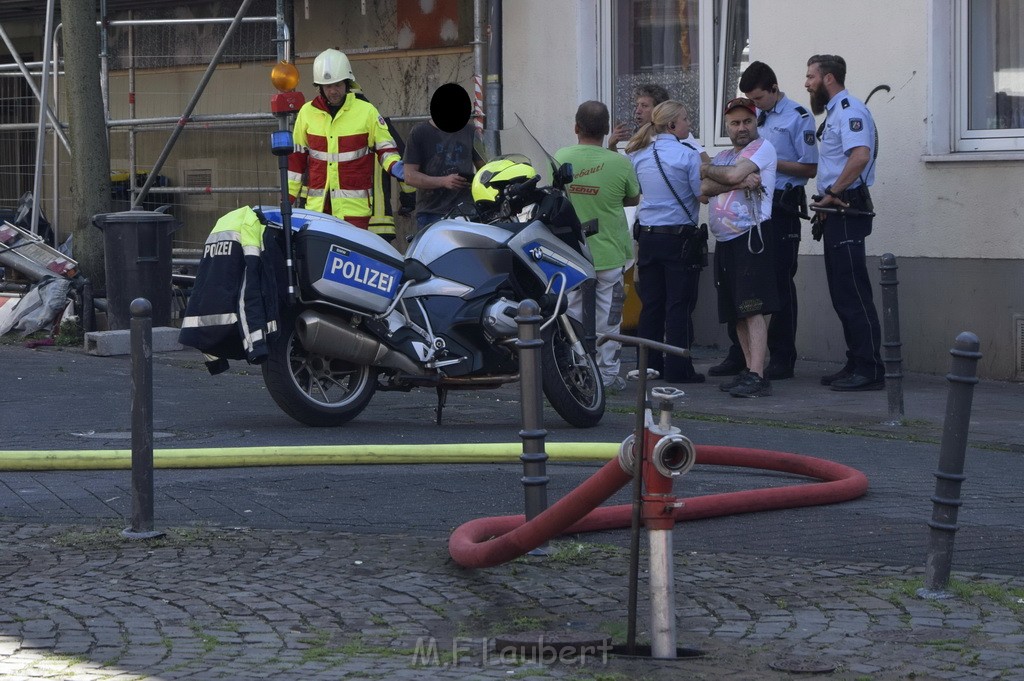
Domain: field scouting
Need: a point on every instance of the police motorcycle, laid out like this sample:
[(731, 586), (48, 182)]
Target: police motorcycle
[(367, 318)]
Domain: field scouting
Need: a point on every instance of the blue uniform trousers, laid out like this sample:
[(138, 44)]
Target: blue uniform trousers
[(850, 290), (783, 231), (668, 295)]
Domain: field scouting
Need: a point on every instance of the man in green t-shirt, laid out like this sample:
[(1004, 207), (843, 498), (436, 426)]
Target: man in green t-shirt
[(603, 182)]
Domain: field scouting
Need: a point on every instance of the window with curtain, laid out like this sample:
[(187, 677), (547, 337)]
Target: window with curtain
[(656, 41), (663, 42), (732, 54), (990, 75)]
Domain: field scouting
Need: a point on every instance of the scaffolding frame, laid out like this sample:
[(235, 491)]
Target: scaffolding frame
[(49, 71)]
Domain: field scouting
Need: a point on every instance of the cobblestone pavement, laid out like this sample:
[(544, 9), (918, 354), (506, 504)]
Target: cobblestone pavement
[(222, 604), (337, 575)]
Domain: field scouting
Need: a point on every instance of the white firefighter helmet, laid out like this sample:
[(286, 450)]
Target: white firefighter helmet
[(332, 66)]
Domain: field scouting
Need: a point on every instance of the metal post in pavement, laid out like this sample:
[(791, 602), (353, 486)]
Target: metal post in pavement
[(588, 291), (534, 458), (638, 485), (142, 421), (962, 377), (891, 343), (88, 313)]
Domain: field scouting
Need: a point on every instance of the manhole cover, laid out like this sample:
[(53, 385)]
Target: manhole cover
[(803, 665)]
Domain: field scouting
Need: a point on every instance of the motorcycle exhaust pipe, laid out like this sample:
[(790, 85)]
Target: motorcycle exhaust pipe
[(323, 336)]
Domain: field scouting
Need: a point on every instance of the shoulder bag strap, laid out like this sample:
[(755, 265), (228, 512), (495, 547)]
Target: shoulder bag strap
[(657, 159)]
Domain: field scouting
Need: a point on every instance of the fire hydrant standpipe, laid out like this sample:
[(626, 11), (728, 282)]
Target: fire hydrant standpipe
[(666, 455)]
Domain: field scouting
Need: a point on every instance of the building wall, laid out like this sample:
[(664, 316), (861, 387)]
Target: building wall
[(953, 226), (541, 71)]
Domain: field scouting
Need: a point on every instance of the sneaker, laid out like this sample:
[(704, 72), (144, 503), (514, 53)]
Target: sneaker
[(729, 385), (728, 367), (634, 375), (615, 386), (753, 386)]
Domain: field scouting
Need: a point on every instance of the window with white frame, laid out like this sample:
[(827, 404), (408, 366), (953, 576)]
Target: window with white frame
[(666, 43), (989, 75), (732, 55)]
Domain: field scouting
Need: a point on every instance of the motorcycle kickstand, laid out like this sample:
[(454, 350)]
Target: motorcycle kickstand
[(442, 397)]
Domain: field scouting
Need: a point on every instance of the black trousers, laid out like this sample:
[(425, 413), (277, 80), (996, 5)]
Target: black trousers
[(850, 289), (668, 297), (783, 231), (782, 236)]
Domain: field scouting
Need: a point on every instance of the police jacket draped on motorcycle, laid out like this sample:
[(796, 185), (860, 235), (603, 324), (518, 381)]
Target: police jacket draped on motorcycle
[(337, 136)]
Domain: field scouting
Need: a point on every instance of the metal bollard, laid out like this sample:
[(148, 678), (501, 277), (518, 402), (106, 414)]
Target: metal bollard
[(637, 511), (891, 342), (588, 291), (142, 421), (88, 313), (962, 377), (534, 457)]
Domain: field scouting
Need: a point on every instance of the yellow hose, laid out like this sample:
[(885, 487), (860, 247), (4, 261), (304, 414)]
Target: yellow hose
[(328, 455)]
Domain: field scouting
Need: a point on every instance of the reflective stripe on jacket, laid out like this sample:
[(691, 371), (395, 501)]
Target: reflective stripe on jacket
[(233, 309)]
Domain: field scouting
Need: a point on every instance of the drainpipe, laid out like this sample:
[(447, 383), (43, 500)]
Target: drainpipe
[(493, 88), (478, 66)]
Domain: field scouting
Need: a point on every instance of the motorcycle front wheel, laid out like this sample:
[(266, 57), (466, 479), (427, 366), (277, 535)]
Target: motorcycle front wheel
[(571, 379), (316, 389)]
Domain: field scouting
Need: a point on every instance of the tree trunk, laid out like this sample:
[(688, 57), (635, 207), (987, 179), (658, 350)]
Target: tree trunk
[(90, 160)]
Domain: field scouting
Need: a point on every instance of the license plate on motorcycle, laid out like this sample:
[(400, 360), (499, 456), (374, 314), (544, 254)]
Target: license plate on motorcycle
[(360, 272)]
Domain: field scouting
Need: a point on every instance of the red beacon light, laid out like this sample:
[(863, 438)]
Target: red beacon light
[(285, 78)]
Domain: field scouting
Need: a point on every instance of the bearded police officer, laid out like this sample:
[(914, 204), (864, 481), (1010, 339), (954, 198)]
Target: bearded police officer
[(790, 129), (846, 169)]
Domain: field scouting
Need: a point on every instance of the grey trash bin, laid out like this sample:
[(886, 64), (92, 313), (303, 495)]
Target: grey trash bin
[(137, 252)]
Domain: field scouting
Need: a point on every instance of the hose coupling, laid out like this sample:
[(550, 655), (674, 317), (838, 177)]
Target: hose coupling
[(673, 455)]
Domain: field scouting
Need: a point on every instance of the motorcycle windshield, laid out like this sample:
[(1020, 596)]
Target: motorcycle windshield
[(517, 141)]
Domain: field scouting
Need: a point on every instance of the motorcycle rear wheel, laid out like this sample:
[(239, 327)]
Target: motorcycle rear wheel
[(316, 389), (572, 382)]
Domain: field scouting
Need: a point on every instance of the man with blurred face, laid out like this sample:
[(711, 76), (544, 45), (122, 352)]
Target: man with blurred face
[(744, 273)]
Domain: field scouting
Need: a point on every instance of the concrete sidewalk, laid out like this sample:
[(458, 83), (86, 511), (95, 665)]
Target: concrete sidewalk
[(242, 588)]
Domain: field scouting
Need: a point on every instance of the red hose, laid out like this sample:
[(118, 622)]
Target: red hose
[(486, 542)]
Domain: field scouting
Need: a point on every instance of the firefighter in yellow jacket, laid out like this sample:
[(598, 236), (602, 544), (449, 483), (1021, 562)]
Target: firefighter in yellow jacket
[(336, 139)]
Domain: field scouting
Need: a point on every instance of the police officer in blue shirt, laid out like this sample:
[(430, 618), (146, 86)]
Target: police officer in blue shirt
[(846, 168), (790, 129), (671, 248)]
